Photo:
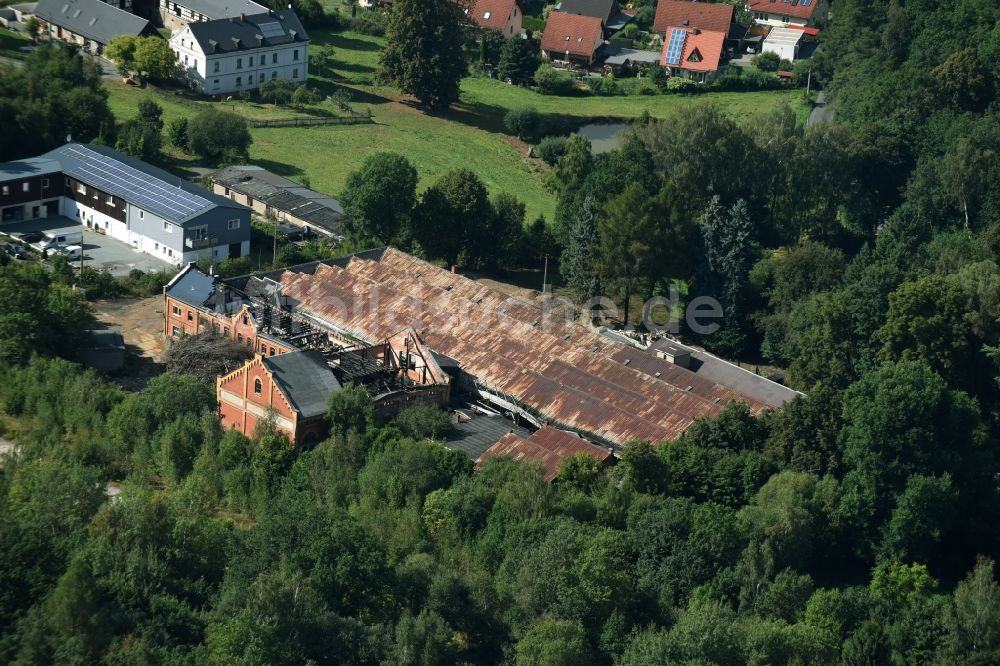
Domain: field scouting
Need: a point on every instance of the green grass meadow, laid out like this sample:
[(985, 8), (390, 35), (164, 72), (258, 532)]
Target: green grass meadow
[(471, 135)]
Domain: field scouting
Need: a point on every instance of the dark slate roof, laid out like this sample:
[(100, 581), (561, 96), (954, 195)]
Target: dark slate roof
[(26, 168), (477, 435), (191, 286), (598, 8), (249, 32), (138, 183), (92, 19), (219, 9), (317, 209), (305, 379)]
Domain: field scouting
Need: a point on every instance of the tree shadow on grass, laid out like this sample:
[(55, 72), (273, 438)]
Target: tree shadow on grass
[(328, 88), (354, 67), (351, 44)]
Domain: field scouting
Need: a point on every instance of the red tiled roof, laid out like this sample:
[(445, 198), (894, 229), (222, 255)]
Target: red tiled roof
[(497, 10), (546, 447), (702, 50), (793, 8), (579, 35), (712, 16), (812, 32)]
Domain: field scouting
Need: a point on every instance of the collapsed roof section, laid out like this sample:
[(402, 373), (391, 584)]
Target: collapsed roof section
[(550, 370)]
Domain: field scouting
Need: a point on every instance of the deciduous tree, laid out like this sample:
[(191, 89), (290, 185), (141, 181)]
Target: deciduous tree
[(423, 54), (379, 197)]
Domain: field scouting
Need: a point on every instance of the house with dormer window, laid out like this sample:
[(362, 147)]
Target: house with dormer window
[(228, 56), (693, 53), (504, 16)]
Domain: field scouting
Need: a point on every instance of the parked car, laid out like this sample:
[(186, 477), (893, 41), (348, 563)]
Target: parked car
[(15, 250), (71, 252), (294, 232)]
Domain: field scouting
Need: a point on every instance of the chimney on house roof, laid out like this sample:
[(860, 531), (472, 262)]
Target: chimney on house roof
[(243, 17)]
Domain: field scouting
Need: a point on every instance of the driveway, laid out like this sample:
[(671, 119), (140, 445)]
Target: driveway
[(116, 257), (821, 113)]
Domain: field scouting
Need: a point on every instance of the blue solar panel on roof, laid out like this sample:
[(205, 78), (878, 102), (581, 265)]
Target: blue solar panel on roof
[(805, 3), (676, 46), (138, 188)]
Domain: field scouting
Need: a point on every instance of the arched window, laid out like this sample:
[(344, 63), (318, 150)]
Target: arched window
[(257, 387)]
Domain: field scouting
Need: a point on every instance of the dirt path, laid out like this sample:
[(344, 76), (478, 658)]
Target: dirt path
[(140, 321)]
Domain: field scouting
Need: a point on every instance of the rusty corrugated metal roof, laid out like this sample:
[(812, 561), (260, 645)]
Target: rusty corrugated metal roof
[(546, 447), (565, 372)]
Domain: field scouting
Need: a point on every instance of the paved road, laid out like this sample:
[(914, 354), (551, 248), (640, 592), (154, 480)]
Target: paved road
[(821, 113)]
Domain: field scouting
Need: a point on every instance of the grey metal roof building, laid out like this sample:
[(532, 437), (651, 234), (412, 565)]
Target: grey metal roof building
[(153, 189), (305, 379), (220, 9), (92, 19), (476, 433), (122, 197), (249, 32), (299, 203), (27, 167)]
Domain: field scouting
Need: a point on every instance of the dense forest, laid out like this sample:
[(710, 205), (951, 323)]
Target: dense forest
[(859, 525)]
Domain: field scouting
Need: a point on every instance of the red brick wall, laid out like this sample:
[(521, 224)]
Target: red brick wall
[(242, 383)]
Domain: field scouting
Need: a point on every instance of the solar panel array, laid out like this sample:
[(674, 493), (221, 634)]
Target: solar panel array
[(108, 174), (272, 29), (805, 3), (676, 46)]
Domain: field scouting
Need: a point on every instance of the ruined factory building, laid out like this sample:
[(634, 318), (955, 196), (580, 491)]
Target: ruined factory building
[(547, 447), (499, 349)]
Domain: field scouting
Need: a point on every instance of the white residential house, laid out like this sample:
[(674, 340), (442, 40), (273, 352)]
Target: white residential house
[(228, 56), (804, 13)]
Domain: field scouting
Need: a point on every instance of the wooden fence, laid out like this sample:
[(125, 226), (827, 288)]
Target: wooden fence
[(305, 122)]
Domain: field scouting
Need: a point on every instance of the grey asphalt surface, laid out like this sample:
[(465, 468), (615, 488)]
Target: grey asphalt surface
[(99, 251), (821, 113), (102, 252)]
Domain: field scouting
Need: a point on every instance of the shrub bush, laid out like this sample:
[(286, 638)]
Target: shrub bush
[(553, 82), (214, 134), (277, 91), (767, 62), (605, 86), (304, 95), (522, 122), (677, 84), (369, 23), (552, 148), (177, 133)]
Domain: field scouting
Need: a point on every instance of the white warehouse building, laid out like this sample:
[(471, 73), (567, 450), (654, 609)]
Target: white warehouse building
[(228, 56)]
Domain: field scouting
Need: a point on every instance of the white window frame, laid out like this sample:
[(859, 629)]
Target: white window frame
[(234, 224)]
